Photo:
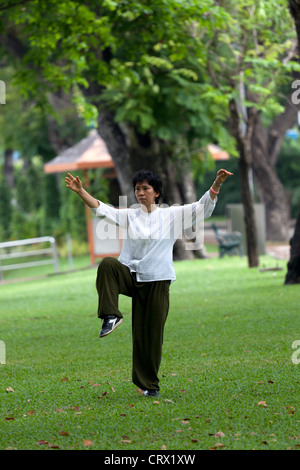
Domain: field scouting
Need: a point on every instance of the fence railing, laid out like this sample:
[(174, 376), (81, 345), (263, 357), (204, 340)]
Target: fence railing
[(52, 251)]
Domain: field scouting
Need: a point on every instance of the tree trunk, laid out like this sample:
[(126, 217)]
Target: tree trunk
[(116, 144), (244, 141), (8, 168), (266, 144), (249, 215), (293, 267), (293, 272)]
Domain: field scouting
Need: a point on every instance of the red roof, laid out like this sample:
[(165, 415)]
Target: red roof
[(90, 152)]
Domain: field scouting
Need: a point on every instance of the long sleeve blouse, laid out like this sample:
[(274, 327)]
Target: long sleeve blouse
[(148, 238)]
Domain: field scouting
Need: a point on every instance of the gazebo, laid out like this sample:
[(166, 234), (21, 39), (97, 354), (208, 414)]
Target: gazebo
[(90, 152), (217, 153)]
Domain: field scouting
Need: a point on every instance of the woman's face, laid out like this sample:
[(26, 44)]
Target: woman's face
[(145, 194)]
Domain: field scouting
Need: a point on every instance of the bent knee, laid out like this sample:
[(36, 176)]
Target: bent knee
[(108, 263)]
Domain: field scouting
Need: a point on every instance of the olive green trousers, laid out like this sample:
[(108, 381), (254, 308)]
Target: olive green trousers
[(150, 306)]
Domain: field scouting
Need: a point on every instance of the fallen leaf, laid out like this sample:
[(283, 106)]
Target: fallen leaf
[(53, 446), (64, 379), (9, 389), (31, 412), (60, 410), (75, 408), (40, 443), (9, 419), (219, 434), (262, 403), (195, 440), (218, 445), (126, 441), (290, 410), (87, 442), (64, 433), (163, 447)]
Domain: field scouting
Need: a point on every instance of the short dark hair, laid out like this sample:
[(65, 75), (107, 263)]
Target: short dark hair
[(152, 178)]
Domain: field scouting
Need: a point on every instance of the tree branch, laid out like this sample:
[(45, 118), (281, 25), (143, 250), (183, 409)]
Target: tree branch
[(12, 5)]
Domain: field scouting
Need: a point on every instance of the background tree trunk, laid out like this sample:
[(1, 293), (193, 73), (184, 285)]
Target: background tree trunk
[(293, 268), (245, 160), (266, 144), (8, 168), (293, 271)]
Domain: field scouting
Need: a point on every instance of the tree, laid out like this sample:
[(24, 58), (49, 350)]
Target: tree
[(159, 72), (252, 56), (293, 268), (139, 65)]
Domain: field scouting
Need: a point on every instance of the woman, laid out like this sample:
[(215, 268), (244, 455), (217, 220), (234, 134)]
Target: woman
[(145, 268)]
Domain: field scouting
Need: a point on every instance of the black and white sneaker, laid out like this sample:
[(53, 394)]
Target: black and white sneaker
[(150, 393), (109, 324)]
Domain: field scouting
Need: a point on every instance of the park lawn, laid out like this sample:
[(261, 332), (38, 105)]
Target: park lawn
[(227, 376)]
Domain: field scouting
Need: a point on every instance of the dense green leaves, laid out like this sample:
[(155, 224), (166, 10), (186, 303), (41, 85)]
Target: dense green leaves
[(149, 59), (158, 64)]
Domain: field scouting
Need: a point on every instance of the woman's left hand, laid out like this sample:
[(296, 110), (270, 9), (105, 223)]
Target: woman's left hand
[(222, 175)]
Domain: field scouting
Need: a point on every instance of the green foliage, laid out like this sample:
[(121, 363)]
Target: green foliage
[(72, 214), (23, 225), (149, 59), (252, 51)]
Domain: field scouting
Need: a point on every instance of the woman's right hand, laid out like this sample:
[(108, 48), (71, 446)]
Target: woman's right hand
[(74, 184)]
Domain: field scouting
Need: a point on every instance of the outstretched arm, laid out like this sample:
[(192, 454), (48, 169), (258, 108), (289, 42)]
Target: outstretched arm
[(221, 177), (75, 185)]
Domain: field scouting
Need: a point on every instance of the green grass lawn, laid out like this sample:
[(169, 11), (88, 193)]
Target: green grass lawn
[(227, 377)]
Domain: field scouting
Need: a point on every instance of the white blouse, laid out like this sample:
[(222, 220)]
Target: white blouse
[(149, 237)]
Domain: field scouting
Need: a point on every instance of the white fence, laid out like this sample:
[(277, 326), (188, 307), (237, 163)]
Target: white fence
[(10, 246)]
